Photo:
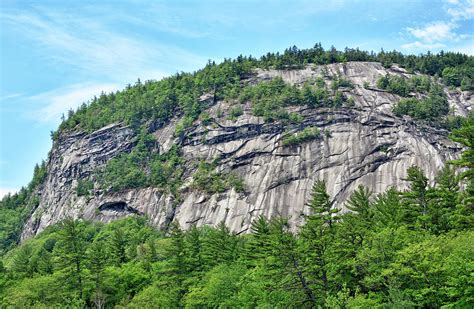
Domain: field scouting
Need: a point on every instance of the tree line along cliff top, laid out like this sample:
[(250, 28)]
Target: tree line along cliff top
[(181, 93)]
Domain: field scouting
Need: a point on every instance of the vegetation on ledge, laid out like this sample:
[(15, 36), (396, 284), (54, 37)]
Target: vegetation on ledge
[(307, 134)]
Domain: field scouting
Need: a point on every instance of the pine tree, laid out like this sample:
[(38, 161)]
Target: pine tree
[(43, 261), (465, 136), (220, 246), (443, 200), (359, 202), (21, 261), (318, 235), (97, 261), (258, 244), (71, 254), (118, 246), (285, 262), (387, 209), (416, 200), (177, 259), (194, 246)]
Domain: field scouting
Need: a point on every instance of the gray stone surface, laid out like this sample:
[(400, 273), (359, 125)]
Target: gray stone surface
[(367, 145)]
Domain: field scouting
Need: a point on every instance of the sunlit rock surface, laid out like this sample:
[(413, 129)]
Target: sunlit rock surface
[(363, 145)]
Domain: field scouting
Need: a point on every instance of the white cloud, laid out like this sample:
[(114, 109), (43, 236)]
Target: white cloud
[(438, 34), (55, 103), (420, 45), (434, 32), (461, 9), (5, 191)]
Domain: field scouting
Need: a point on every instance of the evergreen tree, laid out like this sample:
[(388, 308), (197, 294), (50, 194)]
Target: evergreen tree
[(318, 235), (97, 261), (43, 262), (194, 247), (258, 244), (416, 200), (444, 199), (387, 209), (285, 264), (220, 246), (359, 202), (21, 261), (177, 266), (70, 251), (465, 136), (118, 246)]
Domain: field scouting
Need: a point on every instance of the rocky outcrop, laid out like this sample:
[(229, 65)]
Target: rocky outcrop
[(363, 145)]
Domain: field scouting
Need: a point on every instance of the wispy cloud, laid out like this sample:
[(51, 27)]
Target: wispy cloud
[(92, 47), (438, 34), (95, 48), (461, 9), (10, 96), (53, 104)]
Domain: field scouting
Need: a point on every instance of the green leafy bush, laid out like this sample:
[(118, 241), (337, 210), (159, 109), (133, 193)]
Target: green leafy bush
[(403, 86), (235, 112), (307, 134), (340, 82), (84, 186), (143, 167), (432, 107), (208, 180), (15, 208), (459, 76)]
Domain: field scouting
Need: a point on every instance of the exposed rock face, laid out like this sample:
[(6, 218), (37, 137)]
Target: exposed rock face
[(364, 145)]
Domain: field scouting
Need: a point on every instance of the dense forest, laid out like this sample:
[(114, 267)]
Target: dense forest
[(404, 249), (396, 249)]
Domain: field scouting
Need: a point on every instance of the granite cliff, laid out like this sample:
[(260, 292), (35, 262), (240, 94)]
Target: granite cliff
[(365, 144)]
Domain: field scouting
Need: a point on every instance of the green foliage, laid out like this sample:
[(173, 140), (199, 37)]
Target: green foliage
[(307, 134), (210, 181), (432, 107), (465, 136), (459, 76), (396, 249), (143, 166), (182, 125), (235, 112), (84, 187), (340, 82), (159, 101), (270, 98), (404, 86), (295, 117), (15, 208), (205, 118), (218, 287)]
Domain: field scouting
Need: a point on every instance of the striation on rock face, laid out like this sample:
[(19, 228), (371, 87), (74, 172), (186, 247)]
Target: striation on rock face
[(364, 145)]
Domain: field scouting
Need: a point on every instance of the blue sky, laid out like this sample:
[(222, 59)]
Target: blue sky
[(54, 55)]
